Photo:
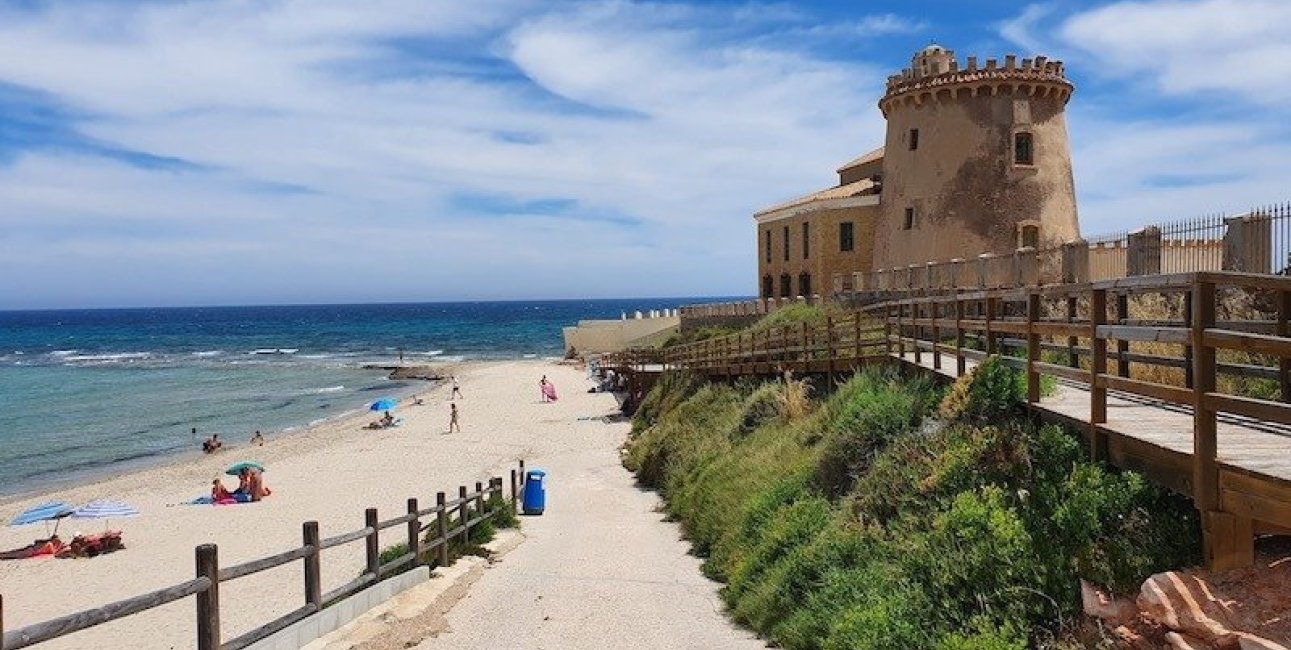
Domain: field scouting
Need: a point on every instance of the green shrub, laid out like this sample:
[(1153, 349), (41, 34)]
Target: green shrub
[(794, 316), (760, 408), (990, 392), (867, 413)]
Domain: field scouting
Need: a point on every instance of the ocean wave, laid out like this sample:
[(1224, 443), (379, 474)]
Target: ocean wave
[(530, 356), (208, 353), (60, 353), (107, 358), (330, 389), (274, 351), (431, 353)]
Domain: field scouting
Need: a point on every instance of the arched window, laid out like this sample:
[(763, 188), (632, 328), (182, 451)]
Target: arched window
[(768, 287), (786, 289), (1023, 148), (804, 284)]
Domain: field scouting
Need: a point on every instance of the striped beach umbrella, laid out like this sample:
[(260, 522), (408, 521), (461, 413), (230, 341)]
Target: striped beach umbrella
[(105, 510), (42, 512)]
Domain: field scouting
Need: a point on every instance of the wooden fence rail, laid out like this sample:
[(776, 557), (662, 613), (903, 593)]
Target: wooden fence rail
[(1075, 333), (471, 509)]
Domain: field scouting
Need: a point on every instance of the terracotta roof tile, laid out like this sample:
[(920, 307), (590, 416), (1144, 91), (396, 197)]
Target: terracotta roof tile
[(870, 157)]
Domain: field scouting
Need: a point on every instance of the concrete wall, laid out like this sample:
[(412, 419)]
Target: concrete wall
[(968, 195), (593, 336), (825, 258)]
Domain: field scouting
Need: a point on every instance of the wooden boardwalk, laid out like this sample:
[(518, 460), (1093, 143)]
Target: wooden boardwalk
[(1202, 437)]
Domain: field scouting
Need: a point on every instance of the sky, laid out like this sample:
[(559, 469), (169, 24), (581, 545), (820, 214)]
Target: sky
[(329, 151)]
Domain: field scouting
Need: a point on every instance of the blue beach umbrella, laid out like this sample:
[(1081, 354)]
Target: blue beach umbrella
[(384, 404), (43, 512)]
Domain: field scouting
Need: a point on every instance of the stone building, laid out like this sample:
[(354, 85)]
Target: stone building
[(976, 160)]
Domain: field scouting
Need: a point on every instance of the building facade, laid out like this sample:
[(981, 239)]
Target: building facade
[(976, 160)]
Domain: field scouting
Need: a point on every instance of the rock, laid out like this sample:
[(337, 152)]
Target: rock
[(1251, 642), (1097, 603), (1184, 604), (1184, 642)]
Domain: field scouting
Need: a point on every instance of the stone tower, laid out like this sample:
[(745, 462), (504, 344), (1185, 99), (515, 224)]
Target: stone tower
[(976, 159)]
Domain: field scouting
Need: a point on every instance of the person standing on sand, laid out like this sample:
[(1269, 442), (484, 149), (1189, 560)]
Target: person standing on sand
[(457, 389), (542, 389), (452, 419), (258, 439)]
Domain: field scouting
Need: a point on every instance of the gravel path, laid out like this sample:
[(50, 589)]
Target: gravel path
[(600, 569)]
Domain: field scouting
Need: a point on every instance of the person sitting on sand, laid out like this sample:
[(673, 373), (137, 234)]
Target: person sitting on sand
[(212, 444), (219, 492), (258, 439), (418, 401), (387, 420)]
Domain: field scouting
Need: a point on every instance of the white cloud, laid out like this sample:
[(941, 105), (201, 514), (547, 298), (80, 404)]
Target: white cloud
[(334, 144)]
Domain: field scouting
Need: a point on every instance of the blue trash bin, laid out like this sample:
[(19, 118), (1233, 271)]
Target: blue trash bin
[(535, 492)]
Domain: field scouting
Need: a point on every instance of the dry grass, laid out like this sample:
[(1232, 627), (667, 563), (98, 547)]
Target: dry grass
[(795, 400)]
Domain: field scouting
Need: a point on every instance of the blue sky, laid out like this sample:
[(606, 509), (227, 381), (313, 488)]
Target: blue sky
[(287, 151)]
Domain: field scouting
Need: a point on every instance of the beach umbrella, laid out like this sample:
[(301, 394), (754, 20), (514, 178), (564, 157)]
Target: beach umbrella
[(105, 510), (43, 512), (384, 404), (237, 469)]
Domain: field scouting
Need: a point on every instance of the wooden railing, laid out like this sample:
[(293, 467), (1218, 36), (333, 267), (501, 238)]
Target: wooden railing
[(1175, 351), (470, 510)]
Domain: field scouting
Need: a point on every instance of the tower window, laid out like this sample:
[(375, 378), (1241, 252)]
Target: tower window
[(914, 139), (768, 245), (1030, 236), (785, 289), (786, 243), (909, 219), (804, 284), (806, 240), (846, 237), (768, 287), (1023, 148)]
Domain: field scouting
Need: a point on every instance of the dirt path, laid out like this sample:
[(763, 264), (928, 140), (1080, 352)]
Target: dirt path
[(600, 569)]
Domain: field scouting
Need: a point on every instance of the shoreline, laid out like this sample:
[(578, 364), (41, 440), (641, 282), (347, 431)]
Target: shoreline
[(113, 469), (329, 474)]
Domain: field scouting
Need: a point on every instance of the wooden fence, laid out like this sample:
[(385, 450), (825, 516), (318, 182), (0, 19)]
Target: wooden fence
[(1192, 368), (470, 508)]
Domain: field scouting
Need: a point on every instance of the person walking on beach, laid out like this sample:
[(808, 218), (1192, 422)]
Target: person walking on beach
[(457, 389), (452, 419)]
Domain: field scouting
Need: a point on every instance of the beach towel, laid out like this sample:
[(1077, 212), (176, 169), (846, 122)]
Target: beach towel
[(549, 390)]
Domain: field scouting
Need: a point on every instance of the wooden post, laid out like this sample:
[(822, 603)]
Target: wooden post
[(1097, 368), (414, 531), (373, 543), (313, 565), (515, 500), (208, 601), (464, 514), (961, 362), (992, 304), (1205, 472), (887, 330), (1122, 347), (442, 523), (522, 475), (479, 498), (802, 348), (1073, 358), (915, 308), (829, 345), (900, 331), (1284, 329), (856, 340), (936, 336), (1, 621), (1033, 347), (1188, 379)]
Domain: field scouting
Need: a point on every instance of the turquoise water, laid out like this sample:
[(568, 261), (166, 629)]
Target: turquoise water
[(88, 392)]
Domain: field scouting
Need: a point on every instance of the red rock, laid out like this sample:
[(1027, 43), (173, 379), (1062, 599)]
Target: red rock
[(1186, 604), (1251, 642), (1184, 642)]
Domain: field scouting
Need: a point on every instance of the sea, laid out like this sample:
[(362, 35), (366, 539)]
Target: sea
[(86, 393)]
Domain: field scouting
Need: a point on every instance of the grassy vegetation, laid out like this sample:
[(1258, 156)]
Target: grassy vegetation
[(483, 533), (888, 515)]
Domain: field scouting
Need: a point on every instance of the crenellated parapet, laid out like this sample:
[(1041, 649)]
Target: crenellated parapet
[(935, 75)]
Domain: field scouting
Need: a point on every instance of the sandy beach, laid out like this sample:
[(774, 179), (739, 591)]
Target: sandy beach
[(330, 473)]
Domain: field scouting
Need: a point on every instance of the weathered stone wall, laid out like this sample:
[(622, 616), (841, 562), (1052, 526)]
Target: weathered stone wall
[(968, 195), (825, 259)]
